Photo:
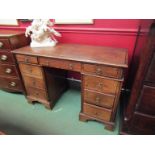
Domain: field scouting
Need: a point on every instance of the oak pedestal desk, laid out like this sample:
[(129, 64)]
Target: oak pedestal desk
[(43, 71)]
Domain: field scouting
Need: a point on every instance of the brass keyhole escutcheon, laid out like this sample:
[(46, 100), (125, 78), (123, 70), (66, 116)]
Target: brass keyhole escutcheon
[(100, 85), (26, 60), (71, 66), (97, 100), (96, 113), (98, 71), (34, 83)]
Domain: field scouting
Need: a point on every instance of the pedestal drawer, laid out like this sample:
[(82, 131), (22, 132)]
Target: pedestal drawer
[(36, 93), (27, 59), (103, 85), (8, 70), (97, 112), (99, 99), (102, 70), (31, 70), (34, 82)]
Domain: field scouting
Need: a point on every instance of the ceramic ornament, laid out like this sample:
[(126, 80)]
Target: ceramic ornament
[(41, 33)]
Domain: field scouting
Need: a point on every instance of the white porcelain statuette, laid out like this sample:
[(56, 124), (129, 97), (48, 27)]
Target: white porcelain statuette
[(41, 33)]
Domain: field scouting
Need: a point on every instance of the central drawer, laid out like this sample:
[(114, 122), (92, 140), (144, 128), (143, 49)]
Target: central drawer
[(61, 64), (31, 70), (103, 85), (8, 70), (97, 112)]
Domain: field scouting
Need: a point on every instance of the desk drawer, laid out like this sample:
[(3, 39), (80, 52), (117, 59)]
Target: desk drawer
[(99, 99), (36, 93), (107, 86), (102, 70), (6, 57), (31, 70), (62, 64), (26, 59), (5, 44), (97, 112), (8, 70), (34, 82), (10, 83)]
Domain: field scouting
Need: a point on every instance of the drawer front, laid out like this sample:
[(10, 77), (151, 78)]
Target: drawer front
[(26, 59), (97, 112), (34, 82), (10, 83), (6, 57), (4, 44), (102, 70), (146, 101), (142, 124), (99, 99), (31, 70), (36, 93), (107, 86), (62, 64), (150, 76), (8, 70)]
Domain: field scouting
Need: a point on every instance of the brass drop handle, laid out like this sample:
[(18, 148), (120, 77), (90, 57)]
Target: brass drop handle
[(4, 57), (13, 84), (1, 44), (71, 66), (8, 70), (96, 113), (97, 100), (98, 71), (26, 60), (100, 85)]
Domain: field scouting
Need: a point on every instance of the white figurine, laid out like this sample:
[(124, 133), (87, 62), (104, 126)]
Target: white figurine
[(41, 33)]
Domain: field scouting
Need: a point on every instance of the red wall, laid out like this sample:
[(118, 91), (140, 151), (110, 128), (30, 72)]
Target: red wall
[(107, 32)]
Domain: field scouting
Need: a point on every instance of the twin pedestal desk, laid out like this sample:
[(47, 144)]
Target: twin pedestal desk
[(43, 73)]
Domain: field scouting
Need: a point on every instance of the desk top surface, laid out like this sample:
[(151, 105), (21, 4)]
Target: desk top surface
[(82, 53)]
